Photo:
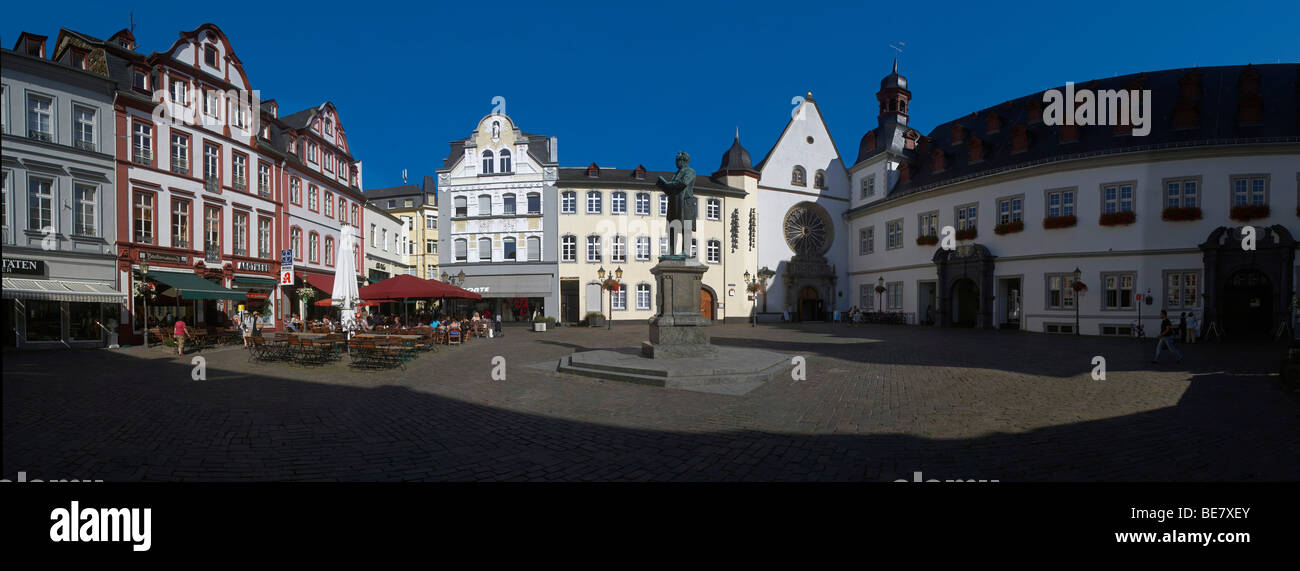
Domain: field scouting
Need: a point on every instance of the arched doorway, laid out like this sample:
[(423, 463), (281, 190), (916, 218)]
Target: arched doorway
[(1248, 304), (966, 302), (810, 304), (706, 303)]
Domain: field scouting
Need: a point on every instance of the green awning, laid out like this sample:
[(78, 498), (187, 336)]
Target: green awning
[(260, 282), (191, 286)]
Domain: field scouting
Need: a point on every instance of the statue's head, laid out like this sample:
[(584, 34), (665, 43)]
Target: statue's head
[(683, 159)]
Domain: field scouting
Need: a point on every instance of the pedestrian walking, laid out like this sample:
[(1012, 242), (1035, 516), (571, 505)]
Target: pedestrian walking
[(1193, 328), (180, 332), (1166, 337)]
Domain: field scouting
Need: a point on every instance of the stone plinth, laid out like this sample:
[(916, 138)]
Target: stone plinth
[(678, 330)]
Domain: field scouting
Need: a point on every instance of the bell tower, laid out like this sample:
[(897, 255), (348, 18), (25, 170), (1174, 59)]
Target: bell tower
[(894, 98)]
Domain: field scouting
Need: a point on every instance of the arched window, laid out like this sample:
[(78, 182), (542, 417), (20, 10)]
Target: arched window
[(713, 252), (313, 247), (508, 204), (485, 249), (534, 249), (295, 242), (643, 296), (568, 202), (461, 250), (819, 179), (508, 249), (593, 202), (799, 177), (534, 203), (618, 203), (505, 161), (461, 208), (329, 250), (487, 162), (485, 205), (568, 248)]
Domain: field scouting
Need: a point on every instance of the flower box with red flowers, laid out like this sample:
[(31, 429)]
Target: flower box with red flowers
[(1053, 222), (927, 240), (1244, 212), (967, 234), (1117, 218), (1181, 214), (1009, 228)]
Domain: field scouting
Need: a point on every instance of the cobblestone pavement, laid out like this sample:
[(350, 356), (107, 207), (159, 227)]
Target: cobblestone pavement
[(879, 403)]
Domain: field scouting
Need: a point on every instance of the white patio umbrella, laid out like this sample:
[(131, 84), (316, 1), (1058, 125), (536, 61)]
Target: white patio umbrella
[(345, 295)]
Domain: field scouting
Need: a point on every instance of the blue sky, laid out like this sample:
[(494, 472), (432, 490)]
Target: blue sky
[(627, 83)]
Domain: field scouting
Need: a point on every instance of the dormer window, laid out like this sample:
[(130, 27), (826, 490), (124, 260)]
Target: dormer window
[(329, 127), (210, 55), (140, 79), (125, 44), (78, 59), (593, 171), (639, 173), (266, 132), (35, 47)]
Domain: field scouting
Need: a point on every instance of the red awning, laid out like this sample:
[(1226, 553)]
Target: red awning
[(319, 281), (406, 286)]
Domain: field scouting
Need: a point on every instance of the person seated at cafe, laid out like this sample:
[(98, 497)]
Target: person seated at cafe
[(434, 323)]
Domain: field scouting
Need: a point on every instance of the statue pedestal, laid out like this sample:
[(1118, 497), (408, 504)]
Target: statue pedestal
[(677, 329)]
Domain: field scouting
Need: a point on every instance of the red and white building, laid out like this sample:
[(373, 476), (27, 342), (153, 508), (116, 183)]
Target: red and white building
[(322, 185), (212, 184)]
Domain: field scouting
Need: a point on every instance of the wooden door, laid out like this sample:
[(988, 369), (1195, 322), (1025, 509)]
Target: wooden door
[(706, 304)]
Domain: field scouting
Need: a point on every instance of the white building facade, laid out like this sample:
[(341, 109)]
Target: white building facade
[(1145, 222), (497, 218)]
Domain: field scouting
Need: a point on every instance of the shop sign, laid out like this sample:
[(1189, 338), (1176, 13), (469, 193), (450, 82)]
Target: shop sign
[(254, 266), (162, 257), (24, 267)]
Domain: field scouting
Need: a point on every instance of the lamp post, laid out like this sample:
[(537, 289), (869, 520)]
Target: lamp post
[(1077, 293), (618, 275), (880, 293), (600, 274), (144, 279)]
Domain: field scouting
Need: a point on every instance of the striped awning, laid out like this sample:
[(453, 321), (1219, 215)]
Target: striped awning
[(50, 290)]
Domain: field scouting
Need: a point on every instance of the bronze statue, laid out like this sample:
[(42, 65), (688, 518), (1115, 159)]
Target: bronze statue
[(681, 203)]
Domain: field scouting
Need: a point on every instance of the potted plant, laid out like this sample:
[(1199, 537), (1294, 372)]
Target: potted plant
[(540, 324), (1009, 228), (1181, 214), (1053, 222), (595, 319), (1117, 218), (1247, 212)]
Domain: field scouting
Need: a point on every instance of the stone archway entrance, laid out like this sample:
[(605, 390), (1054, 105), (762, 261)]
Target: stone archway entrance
[(1248, 292), (965, 286), (966, 303)]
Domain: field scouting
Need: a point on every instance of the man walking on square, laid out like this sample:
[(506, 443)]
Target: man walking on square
[(1166, 337)]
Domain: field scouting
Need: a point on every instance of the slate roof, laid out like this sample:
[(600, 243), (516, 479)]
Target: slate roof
[(1216, 103), (624, 178)]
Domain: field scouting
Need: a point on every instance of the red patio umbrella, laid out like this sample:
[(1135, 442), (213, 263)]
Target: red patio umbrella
[(406, 286), (329, 302)]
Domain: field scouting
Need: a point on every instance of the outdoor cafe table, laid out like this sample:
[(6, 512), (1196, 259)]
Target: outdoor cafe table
[(407, 342)]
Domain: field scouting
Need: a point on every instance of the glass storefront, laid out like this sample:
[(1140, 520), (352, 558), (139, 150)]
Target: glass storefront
[(57, 323)]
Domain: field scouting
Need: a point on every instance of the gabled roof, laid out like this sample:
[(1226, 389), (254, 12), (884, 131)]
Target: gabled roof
[(822, 117)]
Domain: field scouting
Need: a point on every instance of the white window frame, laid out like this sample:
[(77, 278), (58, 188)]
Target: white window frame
[(1063, 207)]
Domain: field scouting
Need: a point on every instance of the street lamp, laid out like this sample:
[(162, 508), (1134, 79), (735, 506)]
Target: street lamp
[(1077, 293), (880, 293), (144, 278), (618, 275)]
